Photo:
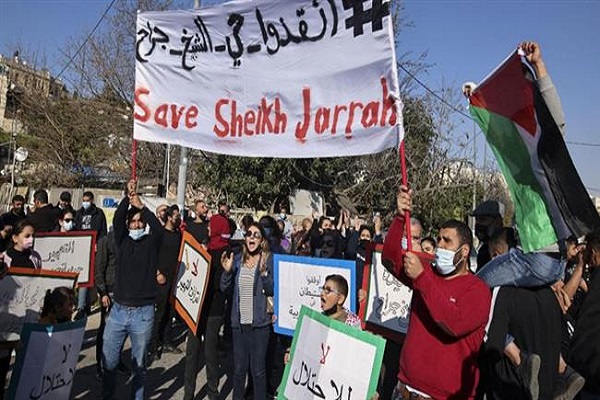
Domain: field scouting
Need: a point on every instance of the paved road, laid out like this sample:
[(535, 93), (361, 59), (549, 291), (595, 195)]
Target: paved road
[(165, 376)]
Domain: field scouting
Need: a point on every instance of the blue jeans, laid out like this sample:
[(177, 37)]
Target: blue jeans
[(122, 321), (522, 269), (250, 349), (82, 298)]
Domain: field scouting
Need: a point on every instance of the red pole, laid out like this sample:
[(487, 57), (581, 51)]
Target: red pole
[(134, 159), (405, 183)]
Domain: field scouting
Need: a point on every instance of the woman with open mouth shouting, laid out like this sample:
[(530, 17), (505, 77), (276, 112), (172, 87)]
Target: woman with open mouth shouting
[(250, 277)]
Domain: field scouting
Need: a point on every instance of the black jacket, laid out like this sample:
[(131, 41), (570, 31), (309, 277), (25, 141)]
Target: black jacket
[(105, 264), (137, 260), (92, 219)]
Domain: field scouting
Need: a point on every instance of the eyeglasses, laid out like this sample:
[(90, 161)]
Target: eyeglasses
[(68, 219), (255, 234), (327, 290)]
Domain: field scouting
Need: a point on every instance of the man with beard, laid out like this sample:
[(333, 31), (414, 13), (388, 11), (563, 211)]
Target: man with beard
[(488, 219), (448, 312), (10, 219)]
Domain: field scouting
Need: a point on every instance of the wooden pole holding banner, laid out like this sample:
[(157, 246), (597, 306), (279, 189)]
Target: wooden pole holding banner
[(404, 178), (134, 160)]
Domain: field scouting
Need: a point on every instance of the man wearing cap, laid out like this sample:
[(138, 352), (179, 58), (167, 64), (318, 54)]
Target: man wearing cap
[(488, 219)]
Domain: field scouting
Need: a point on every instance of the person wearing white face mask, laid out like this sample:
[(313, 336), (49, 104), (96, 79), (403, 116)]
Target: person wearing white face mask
[(20, 252), (448, 312), (88, 218), (66, 221), (135, 289)]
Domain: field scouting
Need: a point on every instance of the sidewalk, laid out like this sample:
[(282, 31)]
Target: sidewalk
[(165, 376)]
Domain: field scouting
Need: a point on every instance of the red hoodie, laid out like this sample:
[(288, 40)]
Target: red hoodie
[(447, 322), (218, 228)]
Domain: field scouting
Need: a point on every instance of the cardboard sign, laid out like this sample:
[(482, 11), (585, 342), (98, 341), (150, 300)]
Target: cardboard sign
[(298, 281), (191, 280), (331, 360), (387, 306), (46, 364), (68, 252), (22, 294), (288, 79)]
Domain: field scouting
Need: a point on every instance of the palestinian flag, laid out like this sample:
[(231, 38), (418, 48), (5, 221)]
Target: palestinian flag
[(551, 202)]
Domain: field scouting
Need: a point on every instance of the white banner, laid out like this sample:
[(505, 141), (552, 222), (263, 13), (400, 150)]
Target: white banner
[(45, 366), (287, 79), (388, 299), (330, 360), (298, 282)]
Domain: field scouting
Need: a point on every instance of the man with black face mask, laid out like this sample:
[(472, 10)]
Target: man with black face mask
[(488, 219), (167, 262), (10, 219)]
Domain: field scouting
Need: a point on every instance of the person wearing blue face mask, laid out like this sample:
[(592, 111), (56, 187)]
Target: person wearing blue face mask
[(88, 218), (448, 312), (135, 289)]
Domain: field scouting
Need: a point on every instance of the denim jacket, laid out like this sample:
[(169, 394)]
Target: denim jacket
[(263, 287)]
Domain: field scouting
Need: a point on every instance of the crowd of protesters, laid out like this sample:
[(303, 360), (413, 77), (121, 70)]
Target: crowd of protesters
[(512, 325)]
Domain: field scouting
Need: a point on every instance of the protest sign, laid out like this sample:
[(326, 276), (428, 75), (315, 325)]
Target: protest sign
[(46, 363), (22, 294), (298, 281), (331, 360), (288, 79), (191, 280), (69, 252), (387, 306)]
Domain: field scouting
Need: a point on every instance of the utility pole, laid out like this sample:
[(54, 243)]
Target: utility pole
[(183, 162)]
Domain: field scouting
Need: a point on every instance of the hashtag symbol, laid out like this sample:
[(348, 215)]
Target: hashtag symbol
[(360, 16)]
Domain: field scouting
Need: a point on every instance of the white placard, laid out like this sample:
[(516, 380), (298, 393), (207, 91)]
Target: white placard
[(191, 280), (298, 282), (22, 294), (331, 360), (388, 299), (263, 78), (68, 252), (45, 366)]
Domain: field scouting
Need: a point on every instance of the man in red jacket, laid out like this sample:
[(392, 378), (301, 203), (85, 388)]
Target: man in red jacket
[(448, 315)]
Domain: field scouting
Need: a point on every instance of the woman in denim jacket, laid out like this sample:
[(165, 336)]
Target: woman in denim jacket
[(250, 276)]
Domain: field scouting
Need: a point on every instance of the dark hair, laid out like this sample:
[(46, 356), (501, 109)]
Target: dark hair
[(171, 210), (368, 228), (266, 221), (65, 212), (55, 299), (504, 235), (247, 220), (463, 231), (88, 194), (40, 195), (592, 243), (18, 197), (330, 243), (323, 218), (429, 239), (132, 212), (65, 196), (18, 229), (340, 282), (264, 244)]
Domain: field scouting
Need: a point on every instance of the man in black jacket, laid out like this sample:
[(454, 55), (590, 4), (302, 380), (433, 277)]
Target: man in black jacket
[(135, 289), (88, 218), (44, 218)]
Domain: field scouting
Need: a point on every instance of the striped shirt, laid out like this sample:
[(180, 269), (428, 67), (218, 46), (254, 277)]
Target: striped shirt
[(246, 290)]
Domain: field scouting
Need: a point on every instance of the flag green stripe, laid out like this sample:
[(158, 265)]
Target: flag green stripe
[(531, 211)]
